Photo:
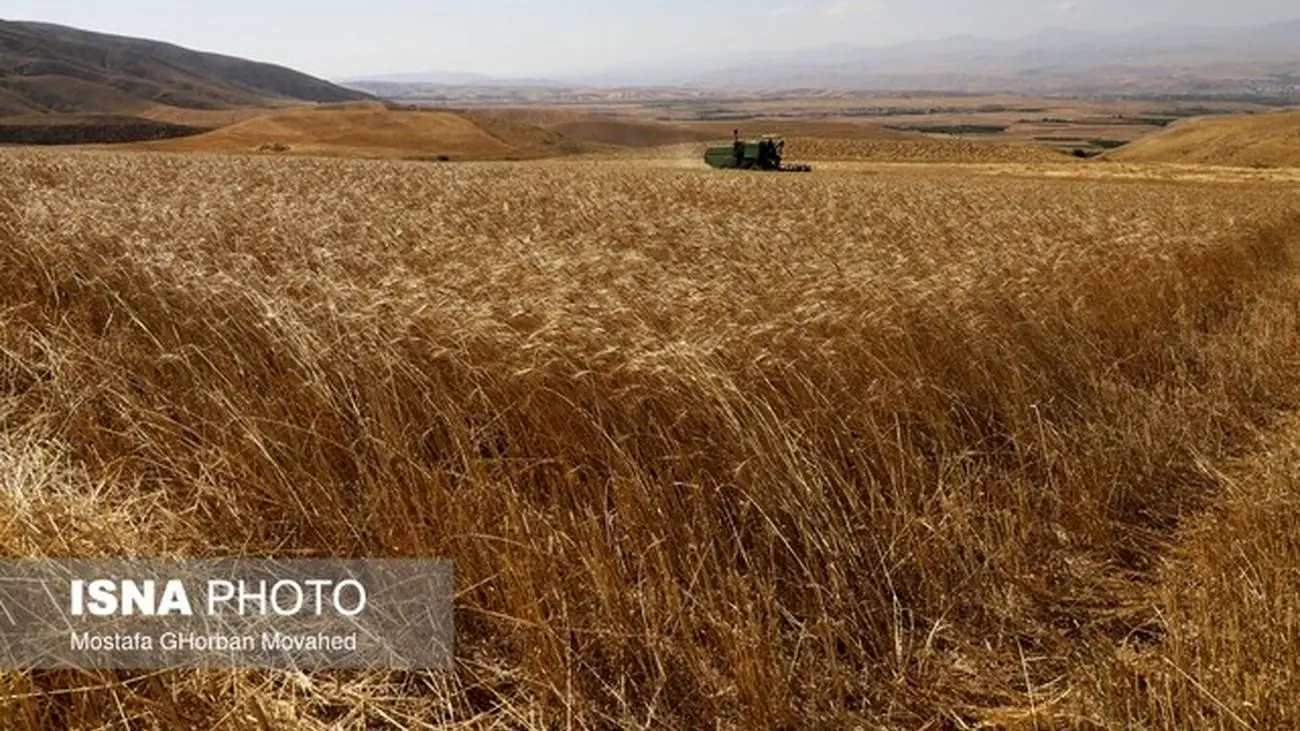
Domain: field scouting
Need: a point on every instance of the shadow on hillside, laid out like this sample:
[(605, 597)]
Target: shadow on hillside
[(109, 130)]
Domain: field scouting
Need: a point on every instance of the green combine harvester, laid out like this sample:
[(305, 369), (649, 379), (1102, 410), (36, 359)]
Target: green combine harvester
[(763, 153)]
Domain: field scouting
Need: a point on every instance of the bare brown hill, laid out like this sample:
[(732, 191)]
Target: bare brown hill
[(209, 118), (1258, 140), (129, 89), (11, 102), (625, 133), (356, 130), (583, 130), (52, 68), (530, 129)]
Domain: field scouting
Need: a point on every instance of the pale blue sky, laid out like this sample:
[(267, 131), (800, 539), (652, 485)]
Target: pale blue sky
[(339, 39)]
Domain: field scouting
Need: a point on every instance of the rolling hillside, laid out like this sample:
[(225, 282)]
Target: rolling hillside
[(372, 129), (582, 130), (364, 130), (54, 69), (1260, 140)]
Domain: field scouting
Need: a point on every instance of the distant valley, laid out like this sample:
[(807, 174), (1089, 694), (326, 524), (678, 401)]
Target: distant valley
[(1248, 64)]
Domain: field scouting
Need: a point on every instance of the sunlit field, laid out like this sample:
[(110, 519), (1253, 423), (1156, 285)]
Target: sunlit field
[(709, 449)]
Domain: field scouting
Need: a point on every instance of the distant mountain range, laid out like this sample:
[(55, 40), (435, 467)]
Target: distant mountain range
[(1262, 60), (54, 69)]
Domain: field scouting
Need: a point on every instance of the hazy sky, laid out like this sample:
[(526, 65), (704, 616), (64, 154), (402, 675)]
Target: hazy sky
[(338, 38)]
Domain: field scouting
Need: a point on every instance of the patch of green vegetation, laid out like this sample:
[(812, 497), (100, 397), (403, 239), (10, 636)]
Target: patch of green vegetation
[(1153, 121), (1107, 144), (92, 130), (722, 115), (927, 111), (1118, 120), (898, 111), (1184, 112), (952, 129)]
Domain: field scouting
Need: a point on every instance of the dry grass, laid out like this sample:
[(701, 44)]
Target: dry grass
[(582, 129), (917, 148), (353, 130), (870, 452), (1259, 140), (201, 117)]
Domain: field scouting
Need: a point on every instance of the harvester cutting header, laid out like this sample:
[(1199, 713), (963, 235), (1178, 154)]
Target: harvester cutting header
[(763, 153)]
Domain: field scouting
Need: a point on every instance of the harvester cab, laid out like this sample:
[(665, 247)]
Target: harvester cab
[(764, 153)]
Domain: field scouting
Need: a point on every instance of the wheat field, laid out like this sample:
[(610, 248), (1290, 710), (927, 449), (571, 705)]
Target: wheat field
[(709, 450)]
